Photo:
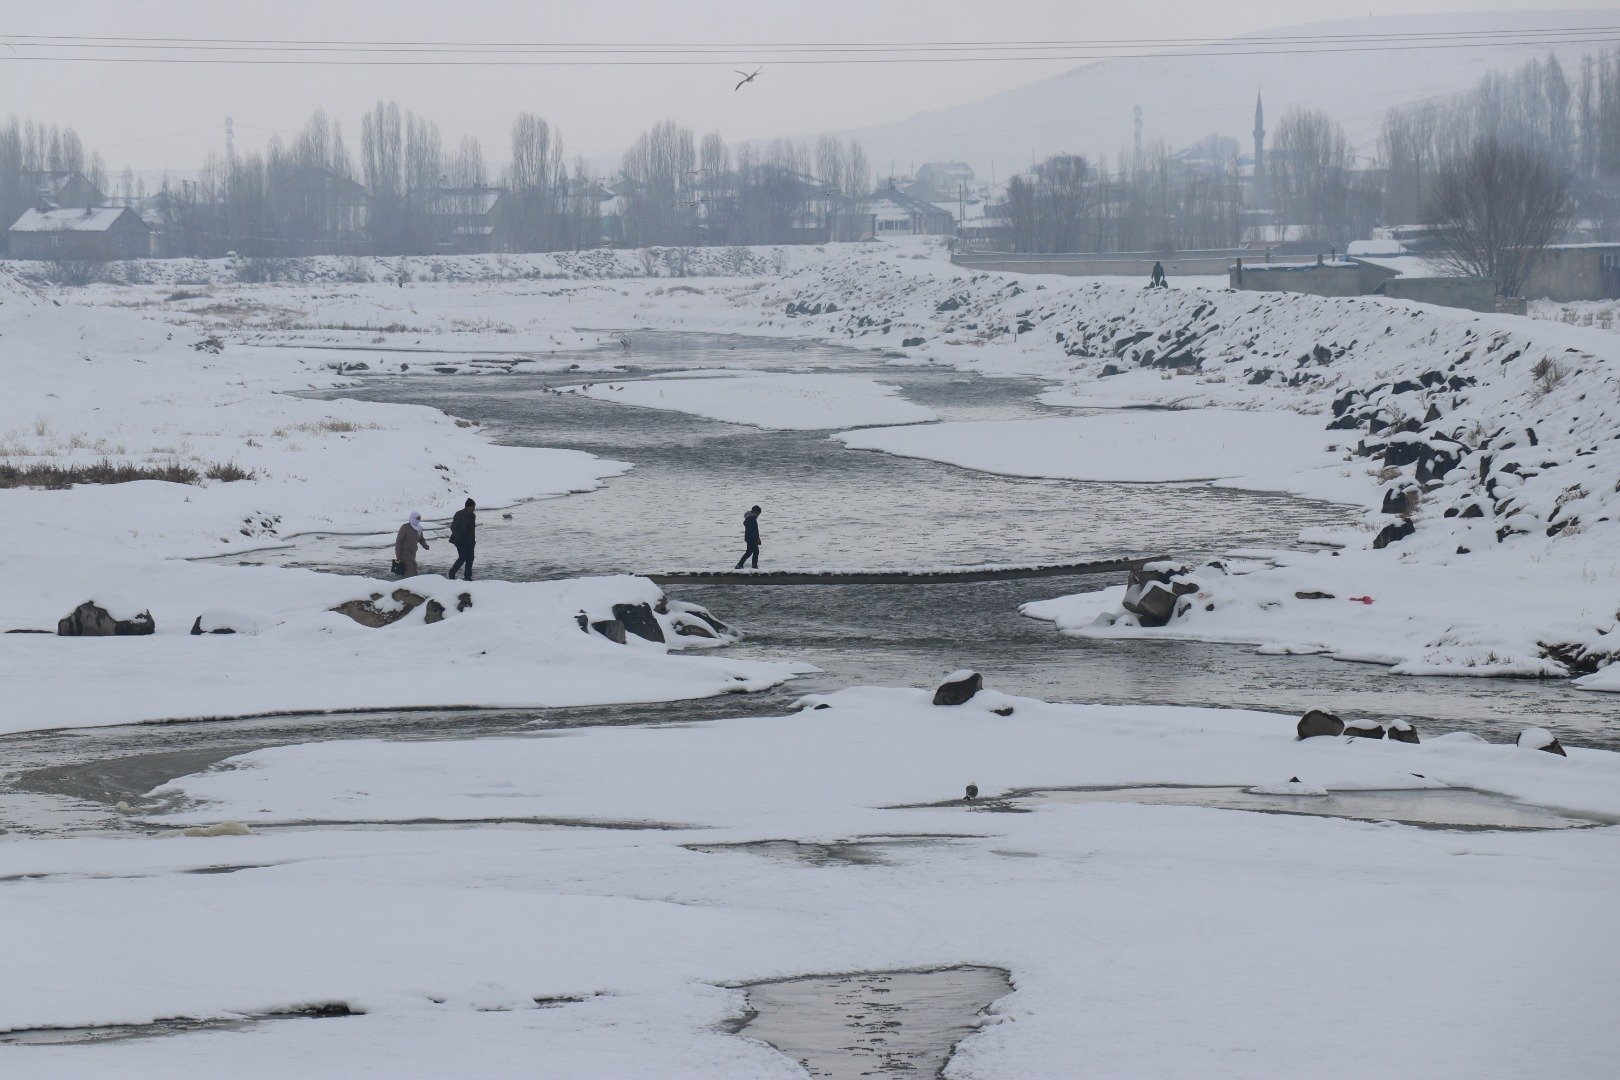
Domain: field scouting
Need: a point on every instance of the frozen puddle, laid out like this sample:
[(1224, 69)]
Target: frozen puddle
[(866, 851), (879, 1023), (1437, 808), (176, 1025)]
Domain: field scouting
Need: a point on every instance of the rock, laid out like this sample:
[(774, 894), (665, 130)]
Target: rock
[(434, 612), (224, 828), (1364, 729), (1401, 731), (958, 687), (197, 629), (368, 613), (91, 620), (464, 601), (715, 624), (1313, 595), (693, 629), (1395, 530), (638, 619), (1539, 738), (1151, 592), (972, 792), (912, 342), (612, 629), (1005, 710), (1316, 722), (821, 705)]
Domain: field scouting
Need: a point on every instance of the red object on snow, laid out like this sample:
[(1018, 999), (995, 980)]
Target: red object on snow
[(1361, 599)]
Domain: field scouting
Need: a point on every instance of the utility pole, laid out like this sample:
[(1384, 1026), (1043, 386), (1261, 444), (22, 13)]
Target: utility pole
[(1138, 141), (230, 158)]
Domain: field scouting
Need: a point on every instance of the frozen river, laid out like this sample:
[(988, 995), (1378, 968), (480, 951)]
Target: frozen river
[(825, 506)]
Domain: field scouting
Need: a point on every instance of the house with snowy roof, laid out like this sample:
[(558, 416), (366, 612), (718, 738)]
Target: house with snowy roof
[(87, 233), (49, 187), (891, 212)]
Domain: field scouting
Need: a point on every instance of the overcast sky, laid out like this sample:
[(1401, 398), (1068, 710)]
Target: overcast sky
[(152, 116)]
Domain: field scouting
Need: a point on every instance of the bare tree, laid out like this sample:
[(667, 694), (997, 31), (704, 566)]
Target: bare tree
[(1309, 166), (1496, 208)]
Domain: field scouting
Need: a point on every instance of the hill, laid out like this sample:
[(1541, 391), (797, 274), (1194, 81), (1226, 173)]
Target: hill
[(1212, 89)]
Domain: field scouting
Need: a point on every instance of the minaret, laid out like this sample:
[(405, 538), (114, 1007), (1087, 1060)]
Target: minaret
[(1259, 148)]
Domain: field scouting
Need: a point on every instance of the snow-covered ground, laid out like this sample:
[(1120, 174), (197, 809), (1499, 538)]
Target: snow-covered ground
[(1112, 918), (88, 385), (1252, 450), (564, 903)]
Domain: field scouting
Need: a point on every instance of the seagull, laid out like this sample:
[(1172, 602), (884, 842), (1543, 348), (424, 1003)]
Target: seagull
[(746, 78)]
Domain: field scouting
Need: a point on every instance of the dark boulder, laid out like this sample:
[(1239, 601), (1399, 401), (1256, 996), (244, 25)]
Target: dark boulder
[(912, 342), (434, 612), (958, 687), (1151, 593), (1313, 594), (1364, 729), (1316, 722), (612, 629), (1395, 530), (1537, 738), (638, 619), (197, 628), (464, 601), (91, 620), (1401, 731)]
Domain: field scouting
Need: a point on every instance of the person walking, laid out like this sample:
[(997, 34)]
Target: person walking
[(463, 529), (405, 545), (1157, 281), (750, 538)]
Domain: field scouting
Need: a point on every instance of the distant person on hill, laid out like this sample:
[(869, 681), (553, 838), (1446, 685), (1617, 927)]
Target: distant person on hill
[(405, 544), (750, 538), (463, 528), (1157, 281)]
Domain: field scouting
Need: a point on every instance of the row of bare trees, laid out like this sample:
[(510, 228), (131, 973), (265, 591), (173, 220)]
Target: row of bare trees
[(679, 189)]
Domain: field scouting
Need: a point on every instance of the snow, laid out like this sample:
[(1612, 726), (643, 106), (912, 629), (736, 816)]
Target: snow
[(1135, 446), (1231, 922), (1142, 940), (781, 402), (74, 219), (89, 384)]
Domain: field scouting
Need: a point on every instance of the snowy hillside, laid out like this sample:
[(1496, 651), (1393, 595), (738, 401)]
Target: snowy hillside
[(1183, 98)]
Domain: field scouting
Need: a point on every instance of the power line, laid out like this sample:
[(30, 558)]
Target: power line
[(791, 60), (308, 44)]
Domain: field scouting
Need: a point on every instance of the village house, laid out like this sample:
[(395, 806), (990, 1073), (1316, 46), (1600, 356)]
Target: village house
[(463, 220), (21, 191), (87, 234), (890, 212)]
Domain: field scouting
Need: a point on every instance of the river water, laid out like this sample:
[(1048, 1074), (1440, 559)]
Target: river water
[(679, 508)]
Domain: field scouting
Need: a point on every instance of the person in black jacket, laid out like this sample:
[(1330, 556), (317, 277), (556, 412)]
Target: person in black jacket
[(463, 534), (1157, 279), (751, 538)]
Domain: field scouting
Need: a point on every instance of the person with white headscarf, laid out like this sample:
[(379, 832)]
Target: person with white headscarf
[(405, 544)]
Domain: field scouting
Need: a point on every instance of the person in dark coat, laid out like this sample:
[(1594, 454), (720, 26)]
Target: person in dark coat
[(1157, 280), (463, 534), (751, 538)]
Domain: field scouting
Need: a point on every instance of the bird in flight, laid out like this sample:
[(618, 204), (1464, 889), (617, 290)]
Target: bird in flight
[(746, 78)]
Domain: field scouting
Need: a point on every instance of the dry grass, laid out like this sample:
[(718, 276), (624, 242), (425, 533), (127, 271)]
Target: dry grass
[(56, 477)]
